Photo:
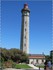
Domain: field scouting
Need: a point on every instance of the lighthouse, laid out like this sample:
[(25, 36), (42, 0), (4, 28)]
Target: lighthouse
[(24, 46)]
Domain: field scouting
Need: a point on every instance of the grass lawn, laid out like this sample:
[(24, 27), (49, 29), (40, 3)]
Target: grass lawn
[(40, 66), (19, 66)]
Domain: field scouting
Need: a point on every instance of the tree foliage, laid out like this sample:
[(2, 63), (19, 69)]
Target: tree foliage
[(13, 54), (48, 57)]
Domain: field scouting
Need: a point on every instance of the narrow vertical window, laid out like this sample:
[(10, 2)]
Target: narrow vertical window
[(25, 29), (25, 45), (25, 22), (37, 60), (25, 37), (42, 60)]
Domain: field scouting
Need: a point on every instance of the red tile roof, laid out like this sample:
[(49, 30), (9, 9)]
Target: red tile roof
[(36, 56)]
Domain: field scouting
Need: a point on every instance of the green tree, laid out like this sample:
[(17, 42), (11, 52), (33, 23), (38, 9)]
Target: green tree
[(13, 54), (47, 57)]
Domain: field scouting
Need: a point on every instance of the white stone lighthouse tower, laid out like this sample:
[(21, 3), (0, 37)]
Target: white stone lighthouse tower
[(25, 29)]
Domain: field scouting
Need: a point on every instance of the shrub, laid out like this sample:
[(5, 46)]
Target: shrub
[(8, 64), (13, 65)]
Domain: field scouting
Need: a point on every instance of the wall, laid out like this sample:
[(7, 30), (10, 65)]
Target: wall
[(35, 61)]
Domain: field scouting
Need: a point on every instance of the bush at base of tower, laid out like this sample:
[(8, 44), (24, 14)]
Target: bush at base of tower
[(12, 55)]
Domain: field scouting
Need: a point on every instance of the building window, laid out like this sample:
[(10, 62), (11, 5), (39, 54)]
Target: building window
[(42, 60), (37, 60)]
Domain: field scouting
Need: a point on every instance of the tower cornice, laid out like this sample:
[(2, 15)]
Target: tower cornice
[(25, 10)]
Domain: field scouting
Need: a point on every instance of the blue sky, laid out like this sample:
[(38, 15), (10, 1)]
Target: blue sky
[(40, 25)]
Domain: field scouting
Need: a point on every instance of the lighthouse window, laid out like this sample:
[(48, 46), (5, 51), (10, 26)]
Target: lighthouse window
[(25, 22), (25, 29), (25, 37), (24, 44)]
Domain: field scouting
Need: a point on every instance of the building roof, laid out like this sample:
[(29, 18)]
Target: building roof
[(34, 56)]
